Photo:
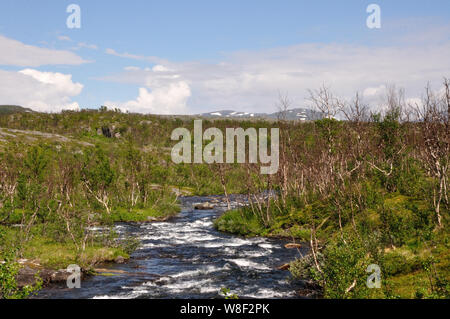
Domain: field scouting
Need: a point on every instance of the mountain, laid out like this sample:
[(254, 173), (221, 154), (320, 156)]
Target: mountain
[(300, 114), (13, 109)]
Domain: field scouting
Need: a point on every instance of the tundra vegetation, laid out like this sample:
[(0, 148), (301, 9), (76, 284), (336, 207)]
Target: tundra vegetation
[(372, 189)]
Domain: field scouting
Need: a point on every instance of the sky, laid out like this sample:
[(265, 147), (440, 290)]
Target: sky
[(189, 57)]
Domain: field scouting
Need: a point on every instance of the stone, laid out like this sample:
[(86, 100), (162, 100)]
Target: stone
[(119, 260), (204, 206), (106, 131), (26, 277), (60, 276)]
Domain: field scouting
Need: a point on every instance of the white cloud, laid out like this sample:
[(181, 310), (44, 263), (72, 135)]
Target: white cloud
[(131, 68), (374, 91), (414, 101), (170, 99), (87, 46), (160, 68), (165, 92), (250, 80), (40, 91), (64, 38), (16, 53), (126, 55)]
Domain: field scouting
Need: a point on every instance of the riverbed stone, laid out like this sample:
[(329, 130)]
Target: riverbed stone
[(119, 260), (204, 206)]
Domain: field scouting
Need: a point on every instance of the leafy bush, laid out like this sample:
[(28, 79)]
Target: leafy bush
[(8, 273)]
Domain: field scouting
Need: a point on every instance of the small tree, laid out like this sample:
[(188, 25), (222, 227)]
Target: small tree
[(435, 129), (8, 274), (99, 177)]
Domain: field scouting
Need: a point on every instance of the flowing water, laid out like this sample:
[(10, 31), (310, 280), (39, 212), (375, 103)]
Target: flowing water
[(187, 258)]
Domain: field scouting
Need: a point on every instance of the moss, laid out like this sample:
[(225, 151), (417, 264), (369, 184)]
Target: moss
[(423, 283), (295, 231), (243, 222), (16, 216), (143, 215), (401, 261), (59, 255), (396, 201), (239, 222)]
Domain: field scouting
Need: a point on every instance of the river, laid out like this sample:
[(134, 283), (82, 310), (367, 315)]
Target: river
[(187, 258)]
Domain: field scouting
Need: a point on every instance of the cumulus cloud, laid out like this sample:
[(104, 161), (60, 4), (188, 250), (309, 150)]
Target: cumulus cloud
[(40, 91), (165, 91), (169, 99), (374, 91), (16, 53), (251, 80)]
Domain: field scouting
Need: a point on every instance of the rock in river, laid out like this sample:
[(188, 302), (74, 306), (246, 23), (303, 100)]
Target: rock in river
[(119, 260), (204, 206)]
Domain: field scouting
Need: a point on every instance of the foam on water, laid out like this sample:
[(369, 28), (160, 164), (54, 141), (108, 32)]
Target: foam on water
[(246, 263)]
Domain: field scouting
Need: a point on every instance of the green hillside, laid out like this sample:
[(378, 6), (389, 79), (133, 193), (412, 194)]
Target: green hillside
[(6, 109)]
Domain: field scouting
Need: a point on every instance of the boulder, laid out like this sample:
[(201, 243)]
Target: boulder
[(60, 275), (106, 131), (27, 276), (119, 260), (204, 206)]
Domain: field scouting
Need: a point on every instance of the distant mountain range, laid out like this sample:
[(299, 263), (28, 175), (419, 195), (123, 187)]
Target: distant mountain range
[(300, 114), (13, 109)]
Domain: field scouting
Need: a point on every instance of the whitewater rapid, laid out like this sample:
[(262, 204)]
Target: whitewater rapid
[(187, 258)]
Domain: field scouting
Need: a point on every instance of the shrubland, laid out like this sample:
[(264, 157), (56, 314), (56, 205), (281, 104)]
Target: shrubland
[(371, 189)]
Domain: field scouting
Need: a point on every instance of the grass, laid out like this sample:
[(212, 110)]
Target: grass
[(417, 283), (144, 215), (240, 222), (58, 255), (244, 223)]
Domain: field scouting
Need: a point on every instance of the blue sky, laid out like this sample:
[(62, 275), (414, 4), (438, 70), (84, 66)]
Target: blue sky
[(194, 56)]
